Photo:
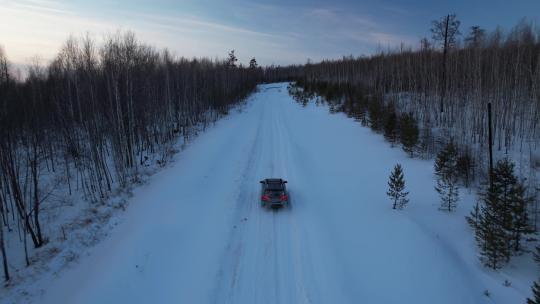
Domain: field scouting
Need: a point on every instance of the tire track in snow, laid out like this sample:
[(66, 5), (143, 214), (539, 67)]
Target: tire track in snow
[(310, 261), (227, 276), (268, 258), (263, 261), (300, 259)]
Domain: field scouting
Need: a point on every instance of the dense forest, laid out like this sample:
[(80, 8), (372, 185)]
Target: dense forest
[(447, 87), (433, 101), (97, 115)]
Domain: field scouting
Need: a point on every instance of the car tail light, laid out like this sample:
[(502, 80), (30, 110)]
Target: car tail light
[(283, 197), (265, 198)]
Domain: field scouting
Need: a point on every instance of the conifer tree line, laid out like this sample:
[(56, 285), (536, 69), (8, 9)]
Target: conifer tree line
[(397, 128), (97, 115), (501, 221)]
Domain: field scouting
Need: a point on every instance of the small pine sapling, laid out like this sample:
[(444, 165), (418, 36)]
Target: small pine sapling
[(446, 172), (396, 188)]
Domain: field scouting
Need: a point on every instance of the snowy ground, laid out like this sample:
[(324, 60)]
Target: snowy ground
[(196, 232)]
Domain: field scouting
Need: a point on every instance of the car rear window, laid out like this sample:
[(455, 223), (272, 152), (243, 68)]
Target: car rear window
[(274, 187)]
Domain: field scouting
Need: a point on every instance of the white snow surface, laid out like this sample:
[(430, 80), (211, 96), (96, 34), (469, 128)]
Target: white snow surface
[(196, 232)]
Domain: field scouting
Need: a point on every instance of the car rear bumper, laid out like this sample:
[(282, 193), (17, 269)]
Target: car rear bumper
[(274, 204)]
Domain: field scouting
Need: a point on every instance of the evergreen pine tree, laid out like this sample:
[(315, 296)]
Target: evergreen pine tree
[(536, 286), (396, 188), (408, 133), (375, 114), (536, 294), (253, 63), (513, 203), (503, 220), (503, 182), (474, 216), (231, 61), (490, 233), (465, 166), (390, 126), (446, 160), (448, 192), (446, 172), (427, 142), (520, 217)]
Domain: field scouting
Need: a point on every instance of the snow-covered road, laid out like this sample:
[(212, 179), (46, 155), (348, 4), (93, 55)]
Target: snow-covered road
[(196, 232)]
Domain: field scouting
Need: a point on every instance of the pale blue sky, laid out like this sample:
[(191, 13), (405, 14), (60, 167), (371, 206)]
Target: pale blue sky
[(279, 32)]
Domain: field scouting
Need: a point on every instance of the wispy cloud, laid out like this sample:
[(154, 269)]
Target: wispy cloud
[(191, 23), (41, 27), (32, 27), (272, 33)]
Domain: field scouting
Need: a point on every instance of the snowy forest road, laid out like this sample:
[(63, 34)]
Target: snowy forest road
[(197, 233)]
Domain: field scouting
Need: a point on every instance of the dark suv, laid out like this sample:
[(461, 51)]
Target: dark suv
[(274, 193)]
